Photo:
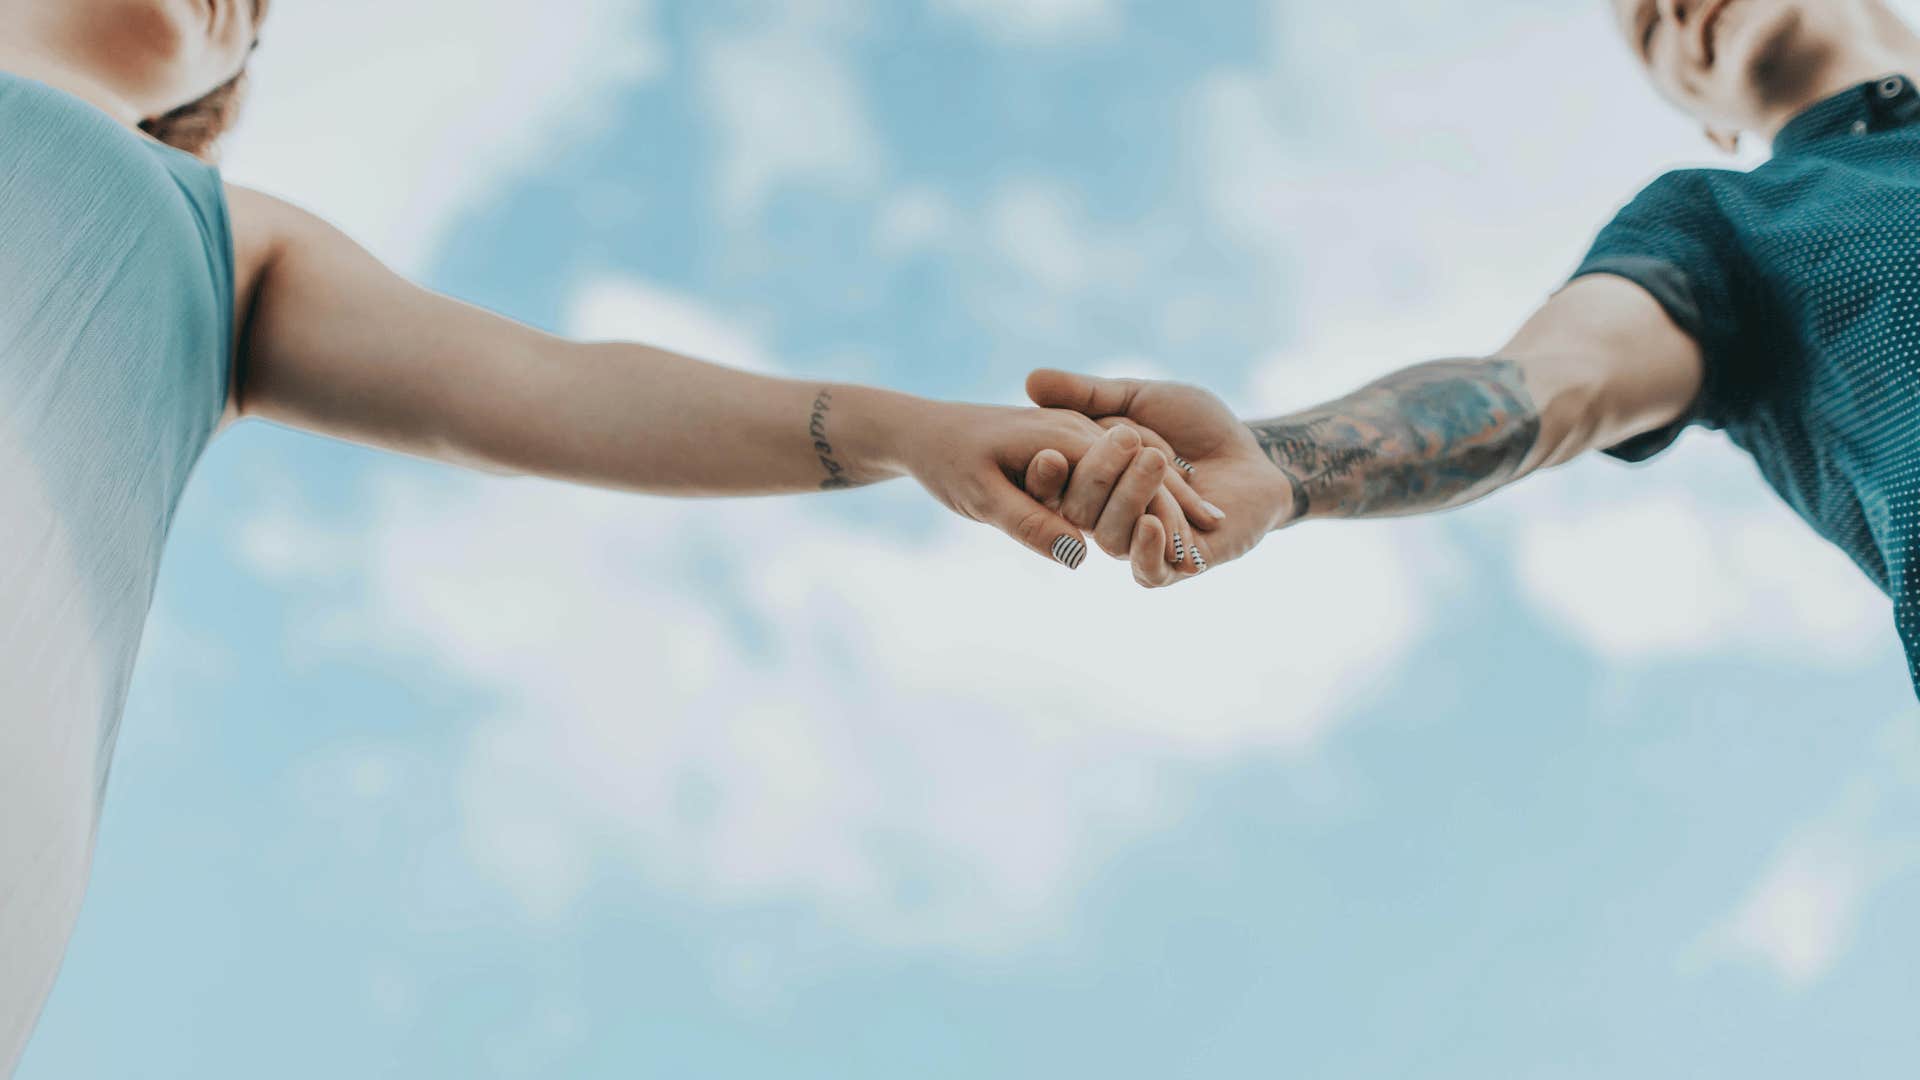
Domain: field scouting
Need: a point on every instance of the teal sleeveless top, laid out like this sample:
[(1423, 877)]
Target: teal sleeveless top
[(116, 317)]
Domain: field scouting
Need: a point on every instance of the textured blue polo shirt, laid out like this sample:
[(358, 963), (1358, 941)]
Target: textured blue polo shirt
[(1801, 282)]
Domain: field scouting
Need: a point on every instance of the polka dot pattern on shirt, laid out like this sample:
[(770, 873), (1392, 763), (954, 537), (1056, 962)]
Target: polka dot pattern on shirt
[(1801, 281)]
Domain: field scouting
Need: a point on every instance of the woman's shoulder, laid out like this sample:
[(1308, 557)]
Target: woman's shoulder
[(263, 225)]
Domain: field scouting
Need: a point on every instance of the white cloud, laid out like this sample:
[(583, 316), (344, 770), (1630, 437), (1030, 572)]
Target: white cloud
[(1030, 22), (354, 789), (1037, 228), (390, 119), (931, 739), (914, 220), (1688, 557), (1337, 350), (626, 309), (1038, 264), (276, 541), (1130, 367), (1032, 239), (1412, 203), (392, 995), (1031, 257), (788, 111), (1799, 916), (538, 1042)]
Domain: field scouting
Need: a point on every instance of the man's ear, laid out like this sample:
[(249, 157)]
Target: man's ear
[(1727, 141)]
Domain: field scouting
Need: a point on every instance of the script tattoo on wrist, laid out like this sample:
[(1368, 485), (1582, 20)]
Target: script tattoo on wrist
[(1427, 438), (837, 479)]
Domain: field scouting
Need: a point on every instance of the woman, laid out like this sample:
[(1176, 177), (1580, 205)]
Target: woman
[(145, 306)]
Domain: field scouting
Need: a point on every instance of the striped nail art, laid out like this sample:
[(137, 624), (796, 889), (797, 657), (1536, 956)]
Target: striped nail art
[(1199, 560), (1069, 552), (1185, 465), (1179, 550)]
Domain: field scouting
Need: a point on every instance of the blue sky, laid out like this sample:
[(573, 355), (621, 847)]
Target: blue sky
[(430, 774)]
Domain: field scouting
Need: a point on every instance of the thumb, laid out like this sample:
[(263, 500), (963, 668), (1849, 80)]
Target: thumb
[(1051, 389), (1039, 529), (1047, 478)]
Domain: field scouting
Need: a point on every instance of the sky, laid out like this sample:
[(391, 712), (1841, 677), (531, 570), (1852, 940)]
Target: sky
[(426, 773)]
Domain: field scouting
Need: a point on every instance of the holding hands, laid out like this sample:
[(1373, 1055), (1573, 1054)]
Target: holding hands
[(1082, 476), (1171, 455), (1157, 473), (969, 458)]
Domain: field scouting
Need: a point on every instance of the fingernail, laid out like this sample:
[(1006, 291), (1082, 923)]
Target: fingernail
[(1179, 550), (1199, 561), (1185, 465), (1124, 437), (1212, 509), (1069, 552)]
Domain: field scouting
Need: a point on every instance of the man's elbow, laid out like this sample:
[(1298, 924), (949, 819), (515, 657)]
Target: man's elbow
[(1605, 363), (1572, 421), (1571, 406)]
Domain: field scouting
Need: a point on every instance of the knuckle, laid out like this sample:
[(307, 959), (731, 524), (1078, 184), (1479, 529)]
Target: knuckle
[(1097, 476), (1032, 525)]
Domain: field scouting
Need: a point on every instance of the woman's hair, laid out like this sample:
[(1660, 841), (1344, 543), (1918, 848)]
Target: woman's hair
[(196, 127)]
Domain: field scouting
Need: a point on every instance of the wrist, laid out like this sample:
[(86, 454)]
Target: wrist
[(871, 429), (1289, 499), (1284, 492)]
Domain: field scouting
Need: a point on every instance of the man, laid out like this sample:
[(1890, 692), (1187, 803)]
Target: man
[(1781, 305)]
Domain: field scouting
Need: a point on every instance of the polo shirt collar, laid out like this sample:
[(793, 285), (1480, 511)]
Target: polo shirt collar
[(1875, 105)]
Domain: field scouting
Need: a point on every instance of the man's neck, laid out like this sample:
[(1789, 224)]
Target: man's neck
[(1897, 58)]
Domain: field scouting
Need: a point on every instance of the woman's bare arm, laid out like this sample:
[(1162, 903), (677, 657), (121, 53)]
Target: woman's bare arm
[(333, 342), (340, 345)]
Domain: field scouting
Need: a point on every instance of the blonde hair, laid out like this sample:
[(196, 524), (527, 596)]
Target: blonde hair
[(197, 126)]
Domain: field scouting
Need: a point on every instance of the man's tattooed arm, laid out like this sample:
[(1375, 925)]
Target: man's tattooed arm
[(1427, 438)]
